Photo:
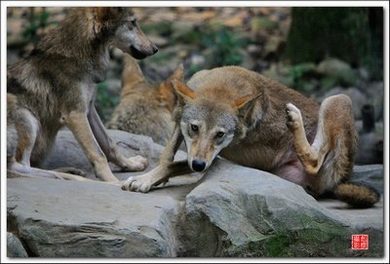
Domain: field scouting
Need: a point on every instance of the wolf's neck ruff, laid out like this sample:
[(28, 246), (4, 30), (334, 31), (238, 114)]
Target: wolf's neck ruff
[(92, 46)]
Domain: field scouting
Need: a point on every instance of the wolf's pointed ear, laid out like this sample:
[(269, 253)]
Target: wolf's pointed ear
[(242, 101), (106, 17), (178, 74), (106, 13), (250, 108), (245, 101), (167, 94), (183, 91)]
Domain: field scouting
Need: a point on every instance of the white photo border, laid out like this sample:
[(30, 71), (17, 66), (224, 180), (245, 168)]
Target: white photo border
[(5, 4)]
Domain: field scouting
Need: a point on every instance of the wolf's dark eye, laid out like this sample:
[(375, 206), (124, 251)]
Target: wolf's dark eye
[(194, 128), (133, 22), (220, 134)]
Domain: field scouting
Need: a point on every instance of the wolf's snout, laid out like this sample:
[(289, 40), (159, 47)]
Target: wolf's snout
[(155, 49), (140, 54), (198, 165)]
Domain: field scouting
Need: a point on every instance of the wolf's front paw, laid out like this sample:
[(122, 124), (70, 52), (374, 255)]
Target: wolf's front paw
[(136, 163), (294, 117), (137, 184)]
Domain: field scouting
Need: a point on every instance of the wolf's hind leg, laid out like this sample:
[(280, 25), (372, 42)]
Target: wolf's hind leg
[(19, 170), (333, 116), (310, 155), (18, 164), (27, 127)]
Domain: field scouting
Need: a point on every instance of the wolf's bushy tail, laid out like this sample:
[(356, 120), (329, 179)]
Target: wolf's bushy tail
[(357, 195)]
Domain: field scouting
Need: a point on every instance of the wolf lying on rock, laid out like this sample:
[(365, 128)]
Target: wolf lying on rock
[(257, 122)]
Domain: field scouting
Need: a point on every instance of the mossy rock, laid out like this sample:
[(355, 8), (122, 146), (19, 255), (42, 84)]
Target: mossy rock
[(337, 71)]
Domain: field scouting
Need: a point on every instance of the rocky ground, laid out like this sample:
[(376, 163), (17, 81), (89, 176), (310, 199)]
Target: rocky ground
[(233, 211)]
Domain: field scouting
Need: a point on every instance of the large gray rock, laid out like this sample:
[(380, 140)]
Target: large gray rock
[(15, 248), (375, 91), (67, 152), (231, 211), (372, 175), (255, 213), (339, 70), (80, 219), (370, 144)]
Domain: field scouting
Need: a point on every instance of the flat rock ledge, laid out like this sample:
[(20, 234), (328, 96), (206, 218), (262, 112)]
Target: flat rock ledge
[(232, 211)]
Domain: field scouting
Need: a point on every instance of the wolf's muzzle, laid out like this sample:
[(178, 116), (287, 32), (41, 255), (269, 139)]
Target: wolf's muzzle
[(198, 165), (139, 55)]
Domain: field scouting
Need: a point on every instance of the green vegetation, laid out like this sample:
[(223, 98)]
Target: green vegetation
[(221, 43), (224, 45), (163, 28), (36, 21), (310, 78), (325, 47)]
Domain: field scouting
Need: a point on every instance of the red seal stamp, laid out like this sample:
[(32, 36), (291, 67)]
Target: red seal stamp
[(359, 242)]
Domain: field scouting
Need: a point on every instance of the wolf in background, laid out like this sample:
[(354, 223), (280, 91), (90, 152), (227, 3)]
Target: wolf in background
[(144, 108)]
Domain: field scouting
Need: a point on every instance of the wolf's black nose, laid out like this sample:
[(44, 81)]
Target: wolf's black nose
[(155, 49), (198, 165)]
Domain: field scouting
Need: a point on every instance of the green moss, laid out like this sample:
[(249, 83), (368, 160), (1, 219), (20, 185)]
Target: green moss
[(277, 245)]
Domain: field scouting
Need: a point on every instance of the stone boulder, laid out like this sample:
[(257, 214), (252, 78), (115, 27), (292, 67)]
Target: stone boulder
[(75, 219), (15, 248), (67, 152), (370, 144), (255, 213), (375, 91), (339, 70), (371, 175), (231, 211)]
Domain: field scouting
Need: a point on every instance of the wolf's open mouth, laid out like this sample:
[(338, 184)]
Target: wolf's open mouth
[(137, 54)]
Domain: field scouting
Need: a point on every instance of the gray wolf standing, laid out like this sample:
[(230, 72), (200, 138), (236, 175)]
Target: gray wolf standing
[(55, 87)]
